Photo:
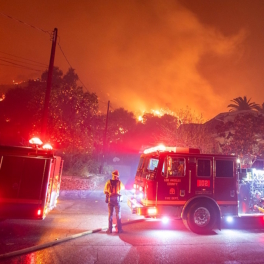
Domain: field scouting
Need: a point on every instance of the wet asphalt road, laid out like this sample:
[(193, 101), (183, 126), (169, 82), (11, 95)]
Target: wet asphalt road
[(143, 241)]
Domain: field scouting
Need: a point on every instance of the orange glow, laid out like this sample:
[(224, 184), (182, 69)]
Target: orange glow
[(121, 130), (161, 112), (182, 57), (157, 113)]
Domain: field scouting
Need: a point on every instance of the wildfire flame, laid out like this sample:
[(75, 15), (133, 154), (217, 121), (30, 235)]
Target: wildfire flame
[(161, 112)]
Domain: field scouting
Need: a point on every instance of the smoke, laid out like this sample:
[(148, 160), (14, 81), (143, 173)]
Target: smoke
[(148, 55), (140, 55)]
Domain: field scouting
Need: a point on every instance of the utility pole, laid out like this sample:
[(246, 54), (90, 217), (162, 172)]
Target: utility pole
[(104, 140), (49, 82)]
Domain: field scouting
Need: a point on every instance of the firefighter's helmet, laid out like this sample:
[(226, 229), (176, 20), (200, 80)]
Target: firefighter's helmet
[(115, 174)]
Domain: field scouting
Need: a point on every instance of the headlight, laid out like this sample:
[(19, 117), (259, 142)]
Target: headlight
[(152, 211), (229, 219)]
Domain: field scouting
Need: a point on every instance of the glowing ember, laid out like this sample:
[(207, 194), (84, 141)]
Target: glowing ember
[(2, 97)]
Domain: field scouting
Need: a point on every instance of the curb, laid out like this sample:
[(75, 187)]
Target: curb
[(58, 241)]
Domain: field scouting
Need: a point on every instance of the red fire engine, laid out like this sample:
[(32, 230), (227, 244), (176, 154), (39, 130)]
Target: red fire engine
[(179, 182), (29, 181)]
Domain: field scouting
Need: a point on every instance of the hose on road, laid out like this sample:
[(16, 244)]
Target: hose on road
[(53, 243), (49, 244)]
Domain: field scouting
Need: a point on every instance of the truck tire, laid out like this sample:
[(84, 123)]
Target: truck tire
[(201, 218)]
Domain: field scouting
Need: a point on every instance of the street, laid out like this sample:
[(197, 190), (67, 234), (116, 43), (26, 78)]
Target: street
[(143, 240)]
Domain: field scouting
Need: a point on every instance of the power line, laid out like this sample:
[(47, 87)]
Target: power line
[(16, 64), (23, 58), (18, 67), (102, 101), (64, 55), (78, 76), (44, 31), (22, 22), (71, 66), (9, 59)]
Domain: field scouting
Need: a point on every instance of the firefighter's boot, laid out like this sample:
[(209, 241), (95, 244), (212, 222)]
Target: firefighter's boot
[(110, 224), (119, 226)]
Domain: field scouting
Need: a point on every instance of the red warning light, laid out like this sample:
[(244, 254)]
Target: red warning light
[(39, 212), (35, 141), (47, 146)]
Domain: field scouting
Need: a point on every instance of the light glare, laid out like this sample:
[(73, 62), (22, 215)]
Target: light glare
[(47, 146), (165, 220), (35, 141), (229, 219), (152, 211)]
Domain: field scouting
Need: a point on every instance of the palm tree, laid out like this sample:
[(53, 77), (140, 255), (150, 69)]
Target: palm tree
[(261, 108), (242, 104)]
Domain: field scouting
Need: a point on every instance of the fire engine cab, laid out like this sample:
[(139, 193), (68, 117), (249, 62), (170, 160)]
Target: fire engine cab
[(29, 181), (200, 189)]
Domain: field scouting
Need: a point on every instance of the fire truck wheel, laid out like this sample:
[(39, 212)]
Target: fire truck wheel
[(201, 218)]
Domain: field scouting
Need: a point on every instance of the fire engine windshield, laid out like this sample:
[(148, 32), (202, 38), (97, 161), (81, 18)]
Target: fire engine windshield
[(146, 165), (152, 164)]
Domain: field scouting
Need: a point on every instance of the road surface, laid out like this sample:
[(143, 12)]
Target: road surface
[(143, 240)]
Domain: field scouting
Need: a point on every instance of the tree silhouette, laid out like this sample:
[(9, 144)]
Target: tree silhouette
[(242, 104), (261, 108), (243, 135)]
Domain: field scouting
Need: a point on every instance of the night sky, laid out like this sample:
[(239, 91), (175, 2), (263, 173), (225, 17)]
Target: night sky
[(139, 54)]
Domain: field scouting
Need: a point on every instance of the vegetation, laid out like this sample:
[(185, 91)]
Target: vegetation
[(243, 136), (76, 128), (242, 104)]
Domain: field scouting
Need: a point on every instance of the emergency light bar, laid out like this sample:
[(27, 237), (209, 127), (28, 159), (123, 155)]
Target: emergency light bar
[(47, 146), (155, 149), (37, 142), (171, 149)]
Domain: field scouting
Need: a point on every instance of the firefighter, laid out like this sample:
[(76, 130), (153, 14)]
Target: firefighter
[(112, 191)]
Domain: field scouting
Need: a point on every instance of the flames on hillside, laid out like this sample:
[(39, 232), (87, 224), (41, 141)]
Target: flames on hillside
[(158, 112), (184, 116)]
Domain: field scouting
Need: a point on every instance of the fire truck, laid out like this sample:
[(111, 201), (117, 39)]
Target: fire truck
[(29, 181), (201, 189)]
